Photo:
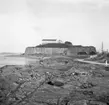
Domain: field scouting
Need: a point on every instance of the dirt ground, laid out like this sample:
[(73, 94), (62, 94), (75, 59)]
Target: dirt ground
[(57, 81)]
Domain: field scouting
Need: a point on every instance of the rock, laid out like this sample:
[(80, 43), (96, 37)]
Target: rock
[(87, 85), (96, 103), (56, 83), (107, 68)]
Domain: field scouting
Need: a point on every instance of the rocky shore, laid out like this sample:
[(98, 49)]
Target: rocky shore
[(57, 81)]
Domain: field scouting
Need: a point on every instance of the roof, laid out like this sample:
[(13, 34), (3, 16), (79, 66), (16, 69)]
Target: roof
[(54, 45), (77, 46), (49, 39), (61, 45)]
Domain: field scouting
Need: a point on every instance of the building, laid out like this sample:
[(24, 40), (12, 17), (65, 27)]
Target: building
[(45, 41), (60, 49)]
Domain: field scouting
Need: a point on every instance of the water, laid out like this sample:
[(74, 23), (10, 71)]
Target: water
[(16, 60)]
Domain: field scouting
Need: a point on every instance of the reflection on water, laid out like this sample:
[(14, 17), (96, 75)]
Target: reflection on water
[(16, 61)]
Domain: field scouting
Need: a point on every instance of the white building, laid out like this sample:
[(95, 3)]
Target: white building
[(44, 41)]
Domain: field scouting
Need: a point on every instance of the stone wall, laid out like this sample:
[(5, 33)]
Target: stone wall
[(74, 50), (48, 51)]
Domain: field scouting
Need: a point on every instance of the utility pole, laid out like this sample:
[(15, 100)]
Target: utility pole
[(107, 50)]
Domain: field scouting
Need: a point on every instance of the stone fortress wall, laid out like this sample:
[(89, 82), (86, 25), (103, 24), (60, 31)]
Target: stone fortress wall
[(74, 50)]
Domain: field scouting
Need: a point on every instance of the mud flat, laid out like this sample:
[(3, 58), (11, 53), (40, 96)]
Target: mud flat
[(58, 81)]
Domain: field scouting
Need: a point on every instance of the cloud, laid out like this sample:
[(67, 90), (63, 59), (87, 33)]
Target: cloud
[(53, 8), (12, 6), (78, 1)]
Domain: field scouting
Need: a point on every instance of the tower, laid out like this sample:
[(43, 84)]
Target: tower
[(102, 47)]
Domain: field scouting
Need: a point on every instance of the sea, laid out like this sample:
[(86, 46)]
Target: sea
[(9, 60)]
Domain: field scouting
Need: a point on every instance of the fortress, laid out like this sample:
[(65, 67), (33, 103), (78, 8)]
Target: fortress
[(54, 47)]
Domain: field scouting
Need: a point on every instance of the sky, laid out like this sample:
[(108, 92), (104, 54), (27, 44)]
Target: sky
[(25, 23)]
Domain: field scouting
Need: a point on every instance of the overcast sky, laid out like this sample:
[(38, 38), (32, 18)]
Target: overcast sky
[(26, 22)]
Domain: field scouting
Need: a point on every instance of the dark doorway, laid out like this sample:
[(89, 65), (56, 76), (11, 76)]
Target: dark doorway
[(92, 53), (82, 53)]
